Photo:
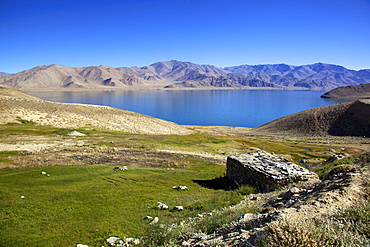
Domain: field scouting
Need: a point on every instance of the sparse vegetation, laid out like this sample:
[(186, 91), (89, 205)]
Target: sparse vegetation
[(325, 170), (319, 232), (4, 156)]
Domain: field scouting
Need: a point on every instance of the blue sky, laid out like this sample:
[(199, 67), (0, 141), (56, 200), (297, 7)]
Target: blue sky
[(80, 33)]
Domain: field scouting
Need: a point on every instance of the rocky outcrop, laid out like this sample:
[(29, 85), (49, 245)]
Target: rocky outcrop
[(266, 171)]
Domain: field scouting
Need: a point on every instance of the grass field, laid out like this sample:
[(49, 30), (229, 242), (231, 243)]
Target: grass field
[(89, 203)]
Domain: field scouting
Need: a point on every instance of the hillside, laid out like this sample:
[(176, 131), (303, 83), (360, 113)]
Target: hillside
[(346, 119), (16, 104), (349, 92), (177, 74)]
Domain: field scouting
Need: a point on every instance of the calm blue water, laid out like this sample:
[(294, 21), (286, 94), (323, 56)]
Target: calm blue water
[(242, 108)]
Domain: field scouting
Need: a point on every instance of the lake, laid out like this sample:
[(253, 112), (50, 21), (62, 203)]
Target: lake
[(239, 108)]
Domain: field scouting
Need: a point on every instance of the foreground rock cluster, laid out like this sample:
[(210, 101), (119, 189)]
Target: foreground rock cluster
[(266, 171), (294, 204)]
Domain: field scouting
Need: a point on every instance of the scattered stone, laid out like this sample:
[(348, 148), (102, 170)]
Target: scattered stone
[(148, 217), (161, 206), (290, 202), (134, 241), (154, 221), (177, 208), (122, 168), (113, 241), (43, 173), (181, 187), (75, 133), (22, 197), (266, 171), (295, 190), (245, 218), (82, 245), (185, 244)]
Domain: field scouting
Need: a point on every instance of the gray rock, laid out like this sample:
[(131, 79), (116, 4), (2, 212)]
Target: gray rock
[(266, 171), (245, 217)]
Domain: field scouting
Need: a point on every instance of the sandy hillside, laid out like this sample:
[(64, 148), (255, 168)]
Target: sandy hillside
[(14, 103), (346, 119)]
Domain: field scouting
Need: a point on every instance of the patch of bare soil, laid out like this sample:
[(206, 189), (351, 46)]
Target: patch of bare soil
[(69, 155)]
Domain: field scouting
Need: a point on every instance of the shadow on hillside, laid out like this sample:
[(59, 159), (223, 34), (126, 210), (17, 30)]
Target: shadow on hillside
[(222, 183)]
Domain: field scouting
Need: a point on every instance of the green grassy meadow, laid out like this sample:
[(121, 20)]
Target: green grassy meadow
[(88, 203)]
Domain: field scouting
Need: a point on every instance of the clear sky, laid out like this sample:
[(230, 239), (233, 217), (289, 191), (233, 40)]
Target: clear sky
[(80, 33)]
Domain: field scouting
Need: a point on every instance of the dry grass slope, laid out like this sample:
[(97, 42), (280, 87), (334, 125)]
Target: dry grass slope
[(347, 119), (14, 103)]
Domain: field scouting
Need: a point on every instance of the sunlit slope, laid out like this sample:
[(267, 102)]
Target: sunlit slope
[(347, 119), (15, 105)]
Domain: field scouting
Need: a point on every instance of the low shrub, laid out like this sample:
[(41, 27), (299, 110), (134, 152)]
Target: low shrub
[(340, 230)]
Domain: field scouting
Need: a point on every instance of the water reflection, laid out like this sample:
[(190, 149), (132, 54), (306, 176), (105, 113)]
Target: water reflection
[(245, 108)]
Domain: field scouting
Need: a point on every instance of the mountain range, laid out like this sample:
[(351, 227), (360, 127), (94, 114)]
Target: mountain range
[(177, 74)]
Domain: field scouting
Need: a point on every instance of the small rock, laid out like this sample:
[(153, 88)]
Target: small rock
[(43, 173), (114, 240), (155, 221), (245, 217), (290, 202), (181, 187), (177, 208), (82, 245), (162, 206), (185, 244), (148, 217), (134, 241), (294, 190), (22, 197), (75, 133)]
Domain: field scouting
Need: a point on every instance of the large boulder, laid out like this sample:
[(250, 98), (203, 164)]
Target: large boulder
[(266, 171)]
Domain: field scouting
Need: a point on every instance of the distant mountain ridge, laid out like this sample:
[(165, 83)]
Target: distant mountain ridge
[(2, 74), (177, 74)]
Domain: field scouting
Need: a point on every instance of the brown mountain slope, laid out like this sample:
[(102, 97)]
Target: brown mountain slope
[(14, 104), (349, 92), (60, 76), (347, 119)]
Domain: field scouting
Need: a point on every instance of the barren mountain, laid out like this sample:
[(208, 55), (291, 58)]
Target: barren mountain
[(346, 119), (349, 92), (176, 74), (2, 74), (59, 76)]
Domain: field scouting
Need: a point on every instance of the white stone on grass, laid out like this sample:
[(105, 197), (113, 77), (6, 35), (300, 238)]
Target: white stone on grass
[(162, 206), (154, 221)]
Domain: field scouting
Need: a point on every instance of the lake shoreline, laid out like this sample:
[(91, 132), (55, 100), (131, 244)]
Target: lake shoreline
[(156, 87)]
